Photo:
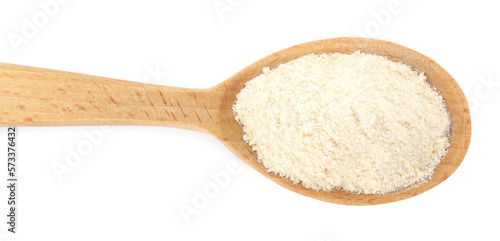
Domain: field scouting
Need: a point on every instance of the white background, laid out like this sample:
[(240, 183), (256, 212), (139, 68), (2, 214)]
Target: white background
[(130, 185)]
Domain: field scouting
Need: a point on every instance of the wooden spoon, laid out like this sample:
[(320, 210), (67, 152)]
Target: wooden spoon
[(41, 97)]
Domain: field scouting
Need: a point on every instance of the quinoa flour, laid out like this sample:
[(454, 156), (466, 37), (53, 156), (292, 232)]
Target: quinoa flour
[(357, 122)]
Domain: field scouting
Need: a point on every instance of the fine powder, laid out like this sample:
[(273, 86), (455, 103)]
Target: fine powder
[(357, 122)]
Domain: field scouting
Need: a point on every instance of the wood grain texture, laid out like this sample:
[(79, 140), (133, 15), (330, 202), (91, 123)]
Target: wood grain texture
[(39, 97)]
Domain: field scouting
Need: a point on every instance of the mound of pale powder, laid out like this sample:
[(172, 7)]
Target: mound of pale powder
[(357, 122)]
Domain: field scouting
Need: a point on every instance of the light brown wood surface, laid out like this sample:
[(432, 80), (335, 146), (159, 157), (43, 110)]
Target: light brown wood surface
[(41, 97)]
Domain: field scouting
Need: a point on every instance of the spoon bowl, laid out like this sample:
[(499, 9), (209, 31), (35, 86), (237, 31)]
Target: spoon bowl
[(40, 97)]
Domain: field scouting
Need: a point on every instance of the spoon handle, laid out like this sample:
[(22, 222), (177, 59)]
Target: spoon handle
[(40, 97)]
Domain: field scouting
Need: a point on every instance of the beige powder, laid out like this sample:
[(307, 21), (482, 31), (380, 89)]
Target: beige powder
[(357, 122)]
